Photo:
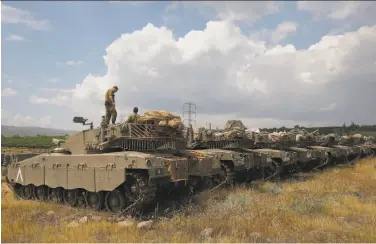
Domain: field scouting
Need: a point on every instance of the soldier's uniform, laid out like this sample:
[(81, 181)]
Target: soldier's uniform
[(110, 106), (133, 118)]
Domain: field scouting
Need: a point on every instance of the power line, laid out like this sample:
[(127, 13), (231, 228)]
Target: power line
[(191, 110)]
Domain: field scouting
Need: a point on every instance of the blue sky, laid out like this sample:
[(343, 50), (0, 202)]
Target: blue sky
[(74, 41)]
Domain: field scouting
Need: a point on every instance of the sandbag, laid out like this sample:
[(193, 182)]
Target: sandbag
[(163, 118)]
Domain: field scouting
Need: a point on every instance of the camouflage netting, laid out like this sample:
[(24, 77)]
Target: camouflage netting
[(162, 118)]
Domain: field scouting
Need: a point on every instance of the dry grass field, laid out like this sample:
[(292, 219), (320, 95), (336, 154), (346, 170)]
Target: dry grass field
[(338, 205)]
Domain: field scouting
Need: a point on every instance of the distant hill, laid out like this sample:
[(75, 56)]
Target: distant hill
[(32, 131)]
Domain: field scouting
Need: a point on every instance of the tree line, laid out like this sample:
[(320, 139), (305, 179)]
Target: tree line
[(343, 130), (38, 141)]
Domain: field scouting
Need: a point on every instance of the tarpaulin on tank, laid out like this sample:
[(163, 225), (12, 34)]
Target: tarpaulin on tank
[(162, 118), (235, 124)]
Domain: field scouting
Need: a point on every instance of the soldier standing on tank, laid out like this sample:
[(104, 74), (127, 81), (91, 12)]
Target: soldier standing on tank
[(133, 117), (110, 105)]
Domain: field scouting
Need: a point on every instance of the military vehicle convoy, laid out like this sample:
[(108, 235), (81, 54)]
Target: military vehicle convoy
[(126, 165)]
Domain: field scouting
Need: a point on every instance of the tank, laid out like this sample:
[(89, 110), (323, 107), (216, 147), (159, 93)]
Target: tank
[(239, 160), (277, 148), (356, 143), (315, 157), (370, 145), (115, 167)]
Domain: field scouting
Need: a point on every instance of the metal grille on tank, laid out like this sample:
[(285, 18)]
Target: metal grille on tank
[(147, 145)]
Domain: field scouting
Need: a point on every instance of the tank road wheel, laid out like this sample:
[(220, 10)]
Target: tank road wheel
[(56, 195), (219, 179), (94, 200), (139, 190), (115, 201), (17, 191), (27, 192), (70, 197), (274, 171), (41, 193)]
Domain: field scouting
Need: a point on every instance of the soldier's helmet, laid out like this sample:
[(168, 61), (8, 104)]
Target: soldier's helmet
[(135, 110)]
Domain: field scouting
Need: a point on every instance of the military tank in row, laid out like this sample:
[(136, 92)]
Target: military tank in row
[(279, 153), (126, 165)]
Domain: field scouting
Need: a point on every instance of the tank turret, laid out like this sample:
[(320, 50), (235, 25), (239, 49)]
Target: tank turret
[(150, 133)]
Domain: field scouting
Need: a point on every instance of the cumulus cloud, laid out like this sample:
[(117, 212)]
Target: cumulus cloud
[(11, 15), (21, 120), (12, 37), (229, 75), (282, 30), (9, 92)]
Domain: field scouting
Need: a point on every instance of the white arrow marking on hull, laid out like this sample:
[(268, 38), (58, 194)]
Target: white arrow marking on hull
[(19, 174)]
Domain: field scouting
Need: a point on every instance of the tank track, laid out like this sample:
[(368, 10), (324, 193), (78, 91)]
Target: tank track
[(230, 175), (325, 162), (127, 198), (276, 172)]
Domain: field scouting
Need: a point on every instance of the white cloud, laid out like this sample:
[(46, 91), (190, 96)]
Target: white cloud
[(278, 34), (59, 100), (9, 92), (231, 11), (21, 120), (227, 74), (283, 30), (364, 11), (243, 11), (11, 15), (72, 62), (12, 37)]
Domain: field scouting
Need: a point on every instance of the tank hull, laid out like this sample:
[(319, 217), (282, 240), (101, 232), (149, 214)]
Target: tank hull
[(100, 180)]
